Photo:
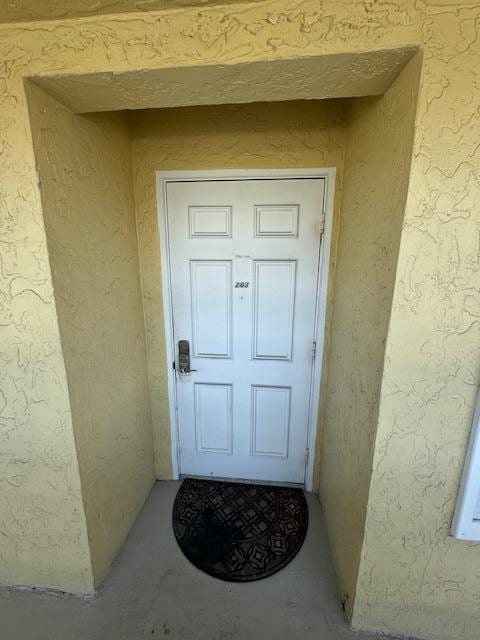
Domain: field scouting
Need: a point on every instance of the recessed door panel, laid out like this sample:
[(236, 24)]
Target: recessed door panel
[(276, 221), (210, 222), (213, 417), (274, 309), (270, 420), (211, 290)]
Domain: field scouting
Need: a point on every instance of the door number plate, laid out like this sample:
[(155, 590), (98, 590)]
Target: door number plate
[(241, 285)]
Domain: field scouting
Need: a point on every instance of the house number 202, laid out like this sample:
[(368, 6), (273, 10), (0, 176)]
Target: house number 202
[(241, 285)]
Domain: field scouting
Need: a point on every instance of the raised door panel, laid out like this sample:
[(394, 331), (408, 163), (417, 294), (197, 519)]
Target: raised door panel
[(211, 292), (213, 417), (276, 221), (210, 222), (273, 317), (270, 423)]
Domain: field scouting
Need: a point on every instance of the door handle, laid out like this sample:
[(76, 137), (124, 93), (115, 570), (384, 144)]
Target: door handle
[(184, 357)]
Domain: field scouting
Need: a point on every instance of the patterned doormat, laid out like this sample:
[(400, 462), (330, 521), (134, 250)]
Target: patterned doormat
[(239, 532)]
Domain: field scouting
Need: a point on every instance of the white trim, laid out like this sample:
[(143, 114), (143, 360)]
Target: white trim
[(320, 323), (163, 178), (168, 319), (464, 526)]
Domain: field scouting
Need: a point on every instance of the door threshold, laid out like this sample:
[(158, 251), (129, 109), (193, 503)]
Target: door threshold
[(272, 483)]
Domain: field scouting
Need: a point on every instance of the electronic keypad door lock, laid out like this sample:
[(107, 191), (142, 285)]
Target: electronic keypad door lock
[(184, 357)]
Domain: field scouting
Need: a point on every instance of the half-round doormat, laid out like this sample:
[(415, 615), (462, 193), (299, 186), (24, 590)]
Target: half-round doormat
[(239, 532)]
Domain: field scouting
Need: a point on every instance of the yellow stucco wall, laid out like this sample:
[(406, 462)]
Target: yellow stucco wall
[(261, 135), (29, 10), (84, 165), (376, 173), (413, 577)]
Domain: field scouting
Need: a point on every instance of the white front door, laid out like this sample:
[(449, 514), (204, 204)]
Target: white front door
[(244, 265)]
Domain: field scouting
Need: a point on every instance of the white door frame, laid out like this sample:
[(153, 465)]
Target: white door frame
[(328, 174)]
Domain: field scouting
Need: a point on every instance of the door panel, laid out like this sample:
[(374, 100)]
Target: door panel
[(270, 420), (244, 267), (274, 296), (213, 417), (211, 292), (280, 221), (210, 222)]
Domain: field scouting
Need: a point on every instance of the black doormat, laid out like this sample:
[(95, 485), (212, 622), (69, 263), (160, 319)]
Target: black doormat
[(239, 532)]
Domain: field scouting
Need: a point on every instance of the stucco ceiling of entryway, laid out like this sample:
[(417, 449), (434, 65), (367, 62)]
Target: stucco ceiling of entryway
[(329, 76), (29, 10)]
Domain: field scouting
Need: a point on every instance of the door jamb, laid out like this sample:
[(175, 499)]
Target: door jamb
[(328, 174)]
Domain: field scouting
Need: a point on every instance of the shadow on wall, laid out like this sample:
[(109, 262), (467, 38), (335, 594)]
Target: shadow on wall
[(84, 165), (376, 178)]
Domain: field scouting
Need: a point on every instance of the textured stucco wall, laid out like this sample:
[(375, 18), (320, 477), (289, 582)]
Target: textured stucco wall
[(328, 76), (260, 135), (84, 166), (412, 576), (376, 173), (42, 520), (29, 10)]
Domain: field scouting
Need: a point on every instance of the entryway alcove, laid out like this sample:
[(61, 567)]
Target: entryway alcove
[(98, 140)]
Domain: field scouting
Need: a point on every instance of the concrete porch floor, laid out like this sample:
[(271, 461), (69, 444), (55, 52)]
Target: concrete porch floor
[(152, 591)]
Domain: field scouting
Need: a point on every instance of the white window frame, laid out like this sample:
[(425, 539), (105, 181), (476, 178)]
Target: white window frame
[(464, 526)]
